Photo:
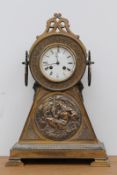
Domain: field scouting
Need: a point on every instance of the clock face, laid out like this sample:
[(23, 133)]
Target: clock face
[(57, 63)]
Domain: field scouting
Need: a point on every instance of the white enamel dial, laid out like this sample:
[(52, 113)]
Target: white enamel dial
[(57, 63)]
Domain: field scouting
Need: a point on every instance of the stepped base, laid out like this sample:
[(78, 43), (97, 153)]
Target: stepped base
[(95, 151)]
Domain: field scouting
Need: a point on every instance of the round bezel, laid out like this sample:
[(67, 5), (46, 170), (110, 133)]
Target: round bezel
[(74, 45)]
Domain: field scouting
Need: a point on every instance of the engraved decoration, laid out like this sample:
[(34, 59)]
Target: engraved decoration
[(58, 117), (63, 41)]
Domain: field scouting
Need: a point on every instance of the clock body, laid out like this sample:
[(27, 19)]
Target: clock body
[(58, 125)]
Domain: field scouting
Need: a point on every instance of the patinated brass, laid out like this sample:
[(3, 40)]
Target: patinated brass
[(57, 39), (58, 125), (58, 117)]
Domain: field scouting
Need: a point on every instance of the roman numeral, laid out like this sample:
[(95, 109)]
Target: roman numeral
[(69, 56), (47, 56), (64, 51), (52, 52), (45, 62), (58, 49), (46, 68), (57, 76), (51, 73), (68, 69), (70, 63)]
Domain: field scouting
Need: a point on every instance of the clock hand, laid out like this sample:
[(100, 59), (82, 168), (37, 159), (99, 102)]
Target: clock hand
[(53, 63), (57, 61), (57, 56), (49, 64)]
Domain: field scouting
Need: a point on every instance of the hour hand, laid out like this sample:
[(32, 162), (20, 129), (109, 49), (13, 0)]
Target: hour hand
[(46, 63)]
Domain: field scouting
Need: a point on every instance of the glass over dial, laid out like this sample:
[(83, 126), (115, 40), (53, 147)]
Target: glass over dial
[(57, 63)]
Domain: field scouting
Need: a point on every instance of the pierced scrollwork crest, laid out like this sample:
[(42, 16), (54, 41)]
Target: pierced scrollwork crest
[(58, 118), (58, 24)]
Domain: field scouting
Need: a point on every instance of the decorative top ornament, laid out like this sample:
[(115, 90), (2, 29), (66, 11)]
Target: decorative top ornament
[(58, 24)]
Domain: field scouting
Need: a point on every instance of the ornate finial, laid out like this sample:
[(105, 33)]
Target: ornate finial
[(57, 24), (57, 15)]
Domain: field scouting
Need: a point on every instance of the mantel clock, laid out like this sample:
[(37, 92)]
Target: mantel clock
[(58, 126)]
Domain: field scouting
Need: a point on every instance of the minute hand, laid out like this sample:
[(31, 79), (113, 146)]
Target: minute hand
[(57, 61)]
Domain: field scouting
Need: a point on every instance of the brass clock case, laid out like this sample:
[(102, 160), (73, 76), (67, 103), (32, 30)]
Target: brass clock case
[(58, 126), (64, 40)]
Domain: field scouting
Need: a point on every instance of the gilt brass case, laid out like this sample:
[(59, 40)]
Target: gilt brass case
[(58, 125)]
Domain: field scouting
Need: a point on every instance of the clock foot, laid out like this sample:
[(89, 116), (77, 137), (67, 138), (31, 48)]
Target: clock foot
[(14, 162), (100, 163)]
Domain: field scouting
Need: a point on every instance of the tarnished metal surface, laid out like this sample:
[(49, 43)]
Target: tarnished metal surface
[(58, 117), (56, 146)]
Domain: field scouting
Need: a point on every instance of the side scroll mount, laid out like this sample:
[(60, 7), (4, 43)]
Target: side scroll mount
[(26, 63)]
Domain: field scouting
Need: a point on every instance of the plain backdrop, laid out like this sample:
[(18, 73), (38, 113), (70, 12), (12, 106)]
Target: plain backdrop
[(96, 23)]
